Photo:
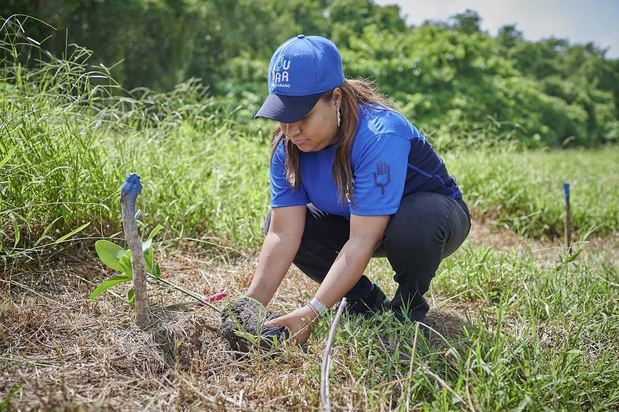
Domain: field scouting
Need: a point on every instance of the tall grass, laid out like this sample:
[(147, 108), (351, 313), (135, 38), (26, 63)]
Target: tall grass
[(523, 190), (69, 135)]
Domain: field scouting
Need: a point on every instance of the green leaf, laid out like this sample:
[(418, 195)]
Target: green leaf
[(8, 156), (125, 262), (156, 271), (149, 260), (44, 235), (146, 245), (155, 232), (108, 283), (110, 254), (149, 240), (131, 297), (71, 233)]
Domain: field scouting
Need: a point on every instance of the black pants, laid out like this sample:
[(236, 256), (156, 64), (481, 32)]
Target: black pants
[(427, 228)]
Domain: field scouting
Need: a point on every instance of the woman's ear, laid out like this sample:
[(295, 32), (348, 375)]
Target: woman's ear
[(337, 97)]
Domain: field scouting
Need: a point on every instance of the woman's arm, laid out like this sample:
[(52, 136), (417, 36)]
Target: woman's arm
[(366, 234), (278, 251)]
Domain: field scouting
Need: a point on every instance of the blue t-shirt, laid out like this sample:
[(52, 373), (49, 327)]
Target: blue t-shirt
[(390, 159)]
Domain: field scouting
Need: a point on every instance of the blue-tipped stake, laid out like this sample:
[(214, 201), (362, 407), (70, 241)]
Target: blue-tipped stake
[(128, 196), (132, 187)]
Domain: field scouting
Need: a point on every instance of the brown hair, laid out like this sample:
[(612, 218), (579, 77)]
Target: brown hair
[(354, 93)]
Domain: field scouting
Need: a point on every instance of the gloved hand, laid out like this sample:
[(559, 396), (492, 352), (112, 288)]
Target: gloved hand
[(246, 317)]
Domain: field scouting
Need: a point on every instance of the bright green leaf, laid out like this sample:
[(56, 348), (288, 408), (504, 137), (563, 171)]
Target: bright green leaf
[(125, 262), (155, 232), (110, 254), (108, 283), (131, 297)]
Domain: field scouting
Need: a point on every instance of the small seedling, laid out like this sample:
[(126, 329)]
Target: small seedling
[(119, 259)]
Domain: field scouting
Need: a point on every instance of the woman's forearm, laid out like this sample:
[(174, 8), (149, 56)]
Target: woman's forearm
[(345, 271), (276, 256)]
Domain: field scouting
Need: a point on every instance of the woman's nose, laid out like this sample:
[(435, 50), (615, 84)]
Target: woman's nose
[(291, 129)]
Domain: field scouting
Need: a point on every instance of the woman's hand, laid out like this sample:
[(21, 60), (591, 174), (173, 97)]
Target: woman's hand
[(299, 323)]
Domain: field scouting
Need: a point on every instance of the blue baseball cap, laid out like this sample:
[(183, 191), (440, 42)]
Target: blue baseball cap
[(301, 70)]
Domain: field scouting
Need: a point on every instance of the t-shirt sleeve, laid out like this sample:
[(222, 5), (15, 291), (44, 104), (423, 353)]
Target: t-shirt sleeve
[(282, 194), (379, 170)]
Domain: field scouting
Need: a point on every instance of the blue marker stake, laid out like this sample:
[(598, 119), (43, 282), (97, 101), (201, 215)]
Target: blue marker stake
[(128, 196)]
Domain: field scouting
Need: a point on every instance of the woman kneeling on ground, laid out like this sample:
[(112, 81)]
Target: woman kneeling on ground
[(351, 178)]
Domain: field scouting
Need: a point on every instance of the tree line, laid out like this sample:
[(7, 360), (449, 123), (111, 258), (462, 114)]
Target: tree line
[(449, 77)]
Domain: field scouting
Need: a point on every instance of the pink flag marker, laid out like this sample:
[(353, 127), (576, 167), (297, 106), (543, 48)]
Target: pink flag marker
[(216, 297)]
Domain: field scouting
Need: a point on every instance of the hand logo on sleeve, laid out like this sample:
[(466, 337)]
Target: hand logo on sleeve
[(382, 176)]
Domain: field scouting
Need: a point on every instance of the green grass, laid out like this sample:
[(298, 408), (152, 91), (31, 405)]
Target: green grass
[(207, 178), (68, 139), (539, 337), (523, 190)]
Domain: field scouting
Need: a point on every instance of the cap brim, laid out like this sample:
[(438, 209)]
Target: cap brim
[(287, 109)]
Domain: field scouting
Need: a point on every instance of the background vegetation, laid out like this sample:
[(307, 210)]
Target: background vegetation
[(449, 77)]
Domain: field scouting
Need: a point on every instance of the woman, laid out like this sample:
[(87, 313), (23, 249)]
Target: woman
[(351, 178)]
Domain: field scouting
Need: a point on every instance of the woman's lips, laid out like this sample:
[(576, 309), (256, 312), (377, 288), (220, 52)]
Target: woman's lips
[(299, 141)]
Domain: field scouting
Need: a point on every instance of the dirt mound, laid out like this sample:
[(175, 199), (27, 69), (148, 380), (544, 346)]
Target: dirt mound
[(245, 319)]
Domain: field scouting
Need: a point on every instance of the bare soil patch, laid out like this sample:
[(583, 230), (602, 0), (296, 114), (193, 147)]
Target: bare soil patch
[(547, 251)]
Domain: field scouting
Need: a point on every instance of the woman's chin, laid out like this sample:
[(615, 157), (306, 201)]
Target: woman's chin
[(304, 146)]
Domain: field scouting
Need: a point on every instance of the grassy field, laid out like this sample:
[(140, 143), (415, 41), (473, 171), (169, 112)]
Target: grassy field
[(519, 324), (513, 331)]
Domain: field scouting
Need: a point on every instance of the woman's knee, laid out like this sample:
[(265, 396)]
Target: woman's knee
[(420, 223)]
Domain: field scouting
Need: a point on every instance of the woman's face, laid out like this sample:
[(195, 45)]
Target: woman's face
[(318, 129)]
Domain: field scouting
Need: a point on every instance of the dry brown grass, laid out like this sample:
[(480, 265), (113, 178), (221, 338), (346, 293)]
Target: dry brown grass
[(58, 351), (547, 251), (63, 352)]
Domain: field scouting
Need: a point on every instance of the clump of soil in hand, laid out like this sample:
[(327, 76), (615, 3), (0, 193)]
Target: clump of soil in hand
[(246, 317)]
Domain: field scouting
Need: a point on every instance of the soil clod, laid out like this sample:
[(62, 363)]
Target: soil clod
[(243, 320)]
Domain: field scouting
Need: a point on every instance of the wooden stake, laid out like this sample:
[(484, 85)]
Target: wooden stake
[(326, 360), (568, 218), (128, 196)]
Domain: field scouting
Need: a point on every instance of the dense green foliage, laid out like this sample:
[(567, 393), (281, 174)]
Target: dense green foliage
[(451, 79)]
